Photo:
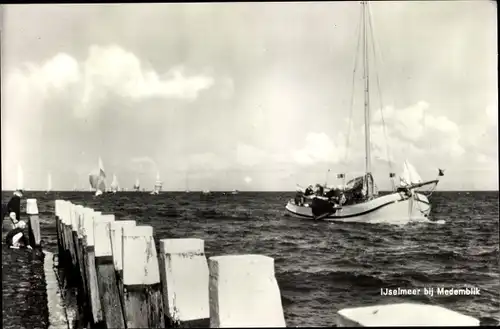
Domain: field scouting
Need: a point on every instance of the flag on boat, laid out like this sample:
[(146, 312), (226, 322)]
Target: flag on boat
[(391, 175), (441, 172), (340, 175)]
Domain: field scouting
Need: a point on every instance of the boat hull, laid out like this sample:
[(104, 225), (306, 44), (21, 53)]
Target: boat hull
[(394, 207)]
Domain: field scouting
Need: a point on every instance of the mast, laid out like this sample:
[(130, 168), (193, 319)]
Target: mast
[(369, 183)]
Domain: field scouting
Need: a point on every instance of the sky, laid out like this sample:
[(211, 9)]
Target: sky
[(248, 96)]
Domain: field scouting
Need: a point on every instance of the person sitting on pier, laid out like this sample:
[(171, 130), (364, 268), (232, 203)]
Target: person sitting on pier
[(16, 237)]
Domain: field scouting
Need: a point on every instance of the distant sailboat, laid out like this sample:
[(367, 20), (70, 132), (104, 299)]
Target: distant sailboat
[(206, 192), (137, 186), (49, 183), (158, 185), (187, 184), (98, 180), (20, 178), (235, 192), (114, 185)]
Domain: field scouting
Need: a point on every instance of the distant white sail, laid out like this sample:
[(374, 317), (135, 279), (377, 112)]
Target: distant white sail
[(158, 184), (114, 184), (97, 179), (137, 186), (49, 183), (410, 175), (20, 178)]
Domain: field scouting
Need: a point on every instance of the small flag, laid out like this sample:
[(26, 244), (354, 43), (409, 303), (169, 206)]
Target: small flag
[(340, 175), (391, 175), (441, 172)]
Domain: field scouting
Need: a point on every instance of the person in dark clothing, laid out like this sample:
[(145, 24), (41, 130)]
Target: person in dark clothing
[(309, 191), (17, 238), (14, 205)]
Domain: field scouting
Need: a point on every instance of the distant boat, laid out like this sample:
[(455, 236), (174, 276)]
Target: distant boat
[(137, 186), (114, 185), (359, 200), (205, 192), (235, 192), (98, 179), (20, 178), (158, 185), (187, 184), (49, 183)]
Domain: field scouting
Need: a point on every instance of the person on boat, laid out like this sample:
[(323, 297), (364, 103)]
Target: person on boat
[(16, 238), (319, 190), (14, 205), (309, 191)]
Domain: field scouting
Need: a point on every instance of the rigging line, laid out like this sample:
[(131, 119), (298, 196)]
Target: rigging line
[(377, 76), (358, 29)]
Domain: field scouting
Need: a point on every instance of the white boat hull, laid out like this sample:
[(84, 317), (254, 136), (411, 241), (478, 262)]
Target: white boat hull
[(394, 207)]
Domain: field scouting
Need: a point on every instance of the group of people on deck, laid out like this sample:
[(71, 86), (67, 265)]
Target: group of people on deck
[(16, 237), (352, 193), (333, 195)]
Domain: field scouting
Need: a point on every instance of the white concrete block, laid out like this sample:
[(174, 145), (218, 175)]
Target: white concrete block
[(65, 212), (102, 238), (140, 262), (116, 233), (69, 205), (81, 222), (403, 315), (185, 279), (88, 227), (244, 292), (31, 207), (57, 208), (74, 217), (78, 211)]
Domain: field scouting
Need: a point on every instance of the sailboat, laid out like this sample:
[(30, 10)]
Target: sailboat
[(187, 184), (358, 200), (49, 183), (158, 185), (114, 185), (137, 186), (234, 192), (98, 179)]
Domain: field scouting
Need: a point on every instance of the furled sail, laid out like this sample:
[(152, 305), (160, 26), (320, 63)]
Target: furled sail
[(409, 176)]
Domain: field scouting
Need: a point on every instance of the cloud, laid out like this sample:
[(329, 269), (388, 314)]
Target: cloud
[(248, 155), (143, 163), (319, 148), (206, 162), (413, 132), (247, 179), (107, 71), (492, 114)]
